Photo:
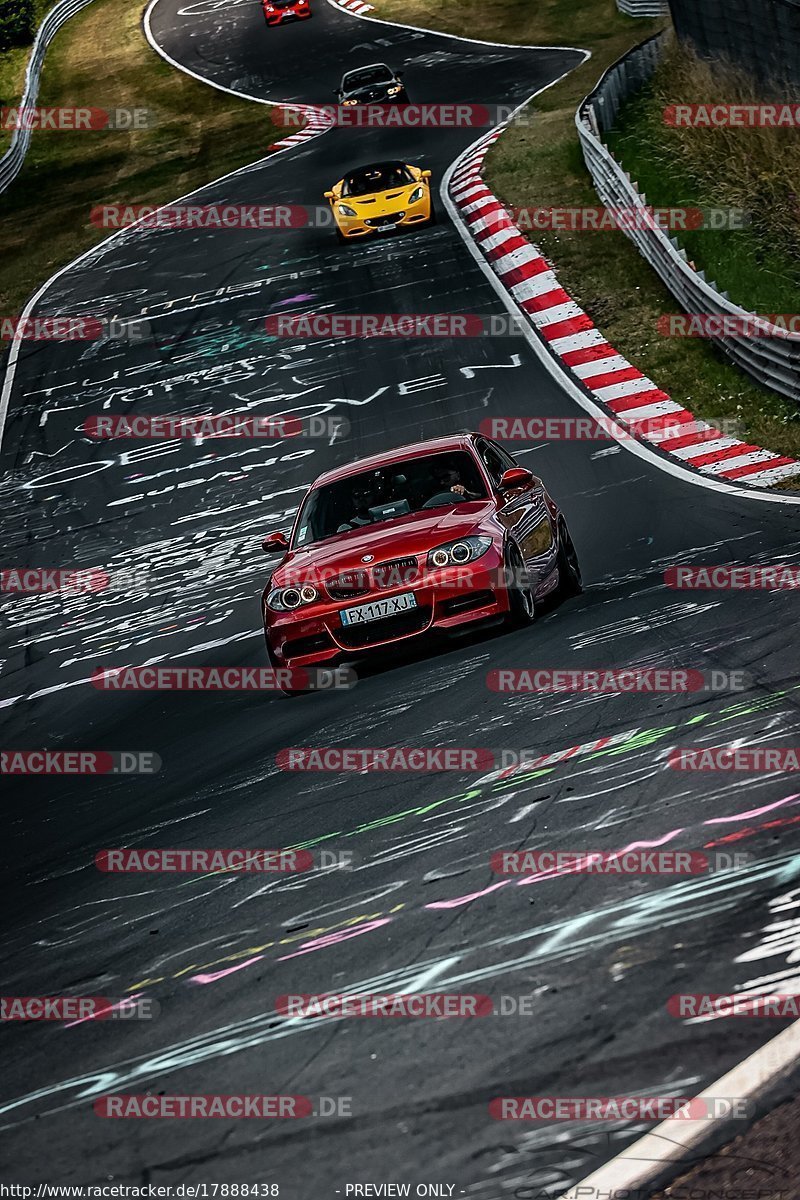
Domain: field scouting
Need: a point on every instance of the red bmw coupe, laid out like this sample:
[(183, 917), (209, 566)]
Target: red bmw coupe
[(276, 12), (434, 537)]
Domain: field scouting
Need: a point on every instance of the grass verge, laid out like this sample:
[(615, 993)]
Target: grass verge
[(12, 72), (540, 165), (101, 59), (754, 170)]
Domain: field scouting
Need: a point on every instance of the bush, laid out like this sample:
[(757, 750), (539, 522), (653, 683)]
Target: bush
[(16, 23)]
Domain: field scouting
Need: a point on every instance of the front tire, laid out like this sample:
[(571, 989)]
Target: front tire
[(521, 605)]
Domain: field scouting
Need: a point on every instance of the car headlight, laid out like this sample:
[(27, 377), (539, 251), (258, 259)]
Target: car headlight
[(347, 211), (288, 598), (394, 91), (456, 554), (416, 195), (349, 102)]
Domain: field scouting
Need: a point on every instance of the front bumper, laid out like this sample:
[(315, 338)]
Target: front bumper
[(366, 226), (447, 600), (281, 18)]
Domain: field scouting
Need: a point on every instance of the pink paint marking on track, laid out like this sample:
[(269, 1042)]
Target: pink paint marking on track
[(333, 939), (215, 975), (753, 812)]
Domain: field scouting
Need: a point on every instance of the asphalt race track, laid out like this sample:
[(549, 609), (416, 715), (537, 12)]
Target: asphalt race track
[(417, 908)]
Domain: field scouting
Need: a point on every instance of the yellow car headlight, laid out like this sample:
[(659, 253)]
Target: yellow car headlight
[(347, 211), (349, 102), (416, 195), (394, 91)]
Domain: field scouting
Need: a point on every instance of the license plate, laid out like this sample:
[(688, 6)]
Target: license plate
[(378, 609), (387, 228)]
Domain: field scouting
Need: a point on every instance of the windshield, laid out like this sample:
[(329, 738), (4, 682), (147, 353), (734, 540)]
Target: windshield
[(357, 79), (376, 497), (380, 178), (283, 3)]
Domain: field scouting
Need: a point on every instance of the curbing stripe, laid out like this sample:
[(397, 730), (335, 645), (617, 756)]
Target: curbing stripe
[(583, 351)]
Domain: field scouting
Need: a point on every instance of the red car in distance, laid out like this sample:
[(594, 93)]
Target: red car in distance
[(435, 537), (276, 12)]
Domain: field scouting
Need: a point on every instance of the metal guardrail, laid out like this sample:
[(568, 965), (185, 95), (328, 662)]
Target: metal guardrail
[(774, 359), (642, 8), (11, 162)]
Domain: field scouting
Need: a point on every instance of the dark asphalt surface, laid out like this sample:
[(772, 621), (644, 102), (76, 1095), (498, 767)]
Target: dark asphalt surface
[(419, 907)]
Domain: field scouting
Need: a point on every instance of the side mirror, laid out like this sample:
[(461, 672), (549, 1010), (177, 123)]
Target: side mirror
[(274, 543), (516, 477), (425, 175), (329, 195)]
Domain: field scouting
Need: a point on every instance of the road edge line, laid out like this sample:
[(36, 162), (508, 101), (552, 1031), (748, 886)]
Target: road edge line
[(649, 1158)]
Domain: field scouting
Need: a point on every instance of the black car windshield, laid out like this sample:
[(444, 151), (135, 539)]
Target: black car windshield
[(380, 178), (388, 494), (357, 79), (283, 3)]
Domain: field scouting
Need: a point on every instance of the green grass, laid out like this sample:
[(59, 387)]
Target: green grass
[(13, 64), (757, 171), (540, 164), (101, 59)]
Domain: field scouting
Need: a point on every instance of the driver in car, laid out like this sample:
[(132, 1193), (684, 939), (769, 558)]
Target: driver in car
[(363, 497), (448, 479)]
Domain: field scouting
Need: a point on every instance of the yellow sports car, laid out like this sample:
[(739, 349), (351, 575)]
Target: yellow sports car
[(380, 198)]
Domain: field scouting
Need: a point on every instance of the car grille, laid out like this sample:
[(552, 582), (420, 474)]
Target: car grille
[(389, 219), (348, 585), (399, 573), (358, 637)]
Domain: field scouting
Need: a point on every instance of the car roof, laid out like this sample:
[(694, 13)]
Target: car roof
[(367, 67), (441, 445)]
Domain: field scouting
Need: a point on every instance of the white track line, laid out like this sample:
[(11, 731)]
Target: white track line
[(672, 1140)]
